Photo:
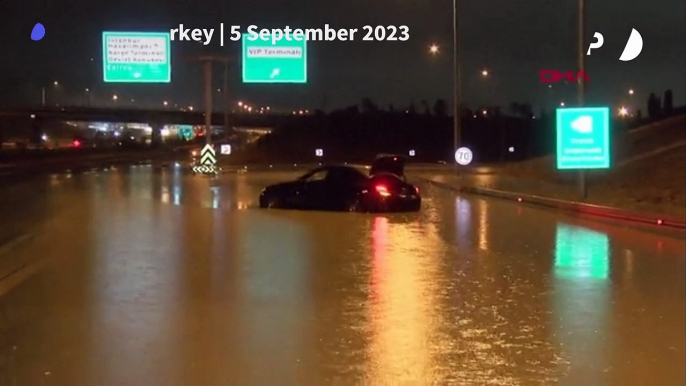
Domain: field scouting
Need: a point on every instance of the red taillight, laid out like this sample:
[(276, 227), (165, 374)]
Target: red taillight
[(382, 190), (416, 189), (76, 143)]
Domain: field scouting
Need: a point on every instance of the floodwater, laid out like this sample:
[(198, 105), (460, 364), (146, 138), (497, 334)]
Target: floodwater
[(150, 276)]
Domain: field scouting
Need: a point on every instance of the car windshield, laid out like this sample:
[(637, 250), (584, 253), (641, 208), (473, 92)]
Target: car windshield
[(315, 175)]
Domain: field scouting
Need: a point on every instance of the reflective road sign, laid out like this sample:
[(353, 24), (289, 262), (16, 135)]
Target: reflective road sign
[(463, 156), (583, 138), (282, 62), (207, 156), (136, 57)]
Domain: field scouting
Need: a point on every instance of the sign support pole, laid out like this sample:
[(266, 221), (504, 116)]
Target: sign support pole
[(208, 101), (227, 104), (457, 98), (580, 83)]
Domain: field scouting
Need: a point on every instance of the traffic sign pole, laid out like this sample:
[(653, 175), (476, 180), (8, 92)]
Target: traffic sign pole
[(581, 85), (208, 102)]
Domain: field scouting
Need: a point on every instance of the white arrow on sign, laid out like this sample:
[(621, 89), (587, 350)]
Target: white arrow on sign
[(205, 169), (275, 73), (208, 156), (583, 124)]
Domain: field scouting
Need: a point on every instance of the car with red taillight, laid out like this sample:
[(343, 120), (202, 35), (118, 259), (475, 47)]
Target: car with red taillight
[(343, 188)]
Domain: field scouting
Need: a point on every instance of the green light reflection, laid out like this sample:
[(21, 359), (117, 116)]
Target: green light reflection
[(581, 253)]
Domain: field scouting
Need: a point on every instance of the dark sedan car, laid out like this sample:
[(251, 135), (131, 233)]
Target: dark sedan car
[(343, 188)]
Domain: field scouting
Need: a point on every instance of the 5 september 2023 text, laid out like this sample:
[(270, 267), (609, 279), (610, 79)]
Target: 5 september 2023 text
[(274, 35)]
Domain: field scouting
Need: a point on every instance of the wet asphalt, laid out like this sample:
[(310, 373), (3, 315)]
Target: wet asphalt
[(151, 276)]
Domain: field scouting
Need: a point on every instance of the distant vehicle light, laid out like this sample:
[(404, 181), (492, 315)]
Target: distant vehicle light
[(194, 153), (382, 190), (416, 188), (659, 222), (76, 143)]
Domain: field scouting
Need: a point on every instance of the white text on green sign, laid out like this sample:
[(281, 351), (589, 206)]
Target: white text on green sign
[(136, 57), (583, 138), (265, 61)]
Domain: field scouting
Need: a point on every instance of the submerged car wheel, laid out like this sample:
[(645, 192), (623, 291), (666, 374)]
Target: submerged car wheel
[(273, 203), (269, 202), (354, 206)]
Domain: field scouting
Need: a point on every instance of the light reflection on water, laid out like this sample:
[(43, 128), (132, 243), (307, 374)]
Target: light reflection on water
[(463, 220), (401, 305), (581, 253), (582, 301)]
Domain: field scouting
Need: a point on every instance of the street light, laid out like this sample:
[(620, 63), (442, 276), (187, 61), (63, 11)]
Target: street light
[(433, 49), (240, 104), (165, 103), (562, 104), (56, 83), (115, 97), (623, 111), (631, 91), (484, 73)]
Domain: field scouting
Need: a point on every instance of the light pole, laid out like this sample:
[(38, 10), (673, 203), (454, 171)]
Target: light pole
[(226, 99), (55, 83), (207, 63), (457, 118), (208, 101), (581, 90)]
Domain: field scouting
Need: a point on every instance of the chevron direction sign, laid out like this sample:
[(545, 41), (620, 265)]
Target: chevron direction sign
[(208, 157), (204, 169)]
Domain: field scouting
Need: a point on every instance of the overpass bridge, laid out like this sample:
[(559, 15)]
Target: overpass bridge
[(151, 117)]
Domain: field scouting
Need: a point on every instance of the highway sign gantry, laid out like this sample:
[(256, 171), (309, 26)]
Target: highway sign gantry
[(583, 138)]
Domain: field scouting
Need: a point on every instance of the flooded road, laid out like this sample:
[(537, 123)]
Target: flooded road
[(147, 276)]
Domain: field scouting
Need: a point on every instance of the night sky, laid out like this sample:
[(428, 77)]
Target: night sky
[(512, 39)]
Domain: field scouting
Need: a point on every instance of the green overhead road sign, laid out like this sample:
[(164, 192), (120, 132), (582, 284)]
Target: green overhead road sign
[(583, 138), (136, 57), (284, 61)]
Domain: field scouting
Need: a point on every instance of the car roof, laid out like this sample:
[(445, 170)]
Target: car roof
[(389, 163), (389, 155), (335, 167)]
